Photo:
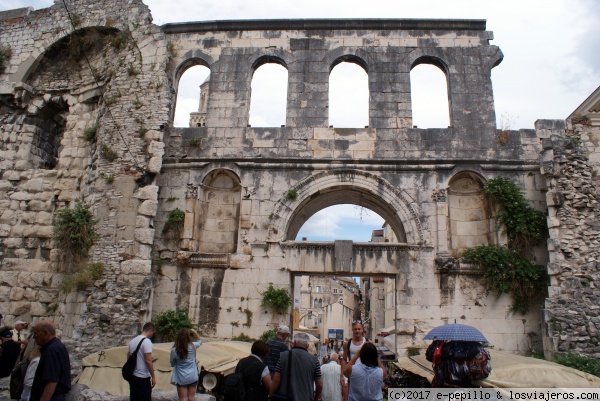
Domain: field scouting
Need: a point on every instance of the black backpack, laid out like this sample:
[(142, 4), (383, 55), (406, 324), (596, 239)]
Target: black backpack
[(234, 387), (17, 377), (129, 367)]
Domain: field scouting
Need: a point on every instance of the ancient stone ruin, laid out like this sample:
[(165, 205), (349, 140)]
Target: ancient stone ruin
[(87, 98)]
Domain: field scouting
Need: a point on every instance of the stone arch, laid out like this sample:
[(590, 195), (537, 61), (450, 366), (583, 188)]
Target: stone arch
[(471, 221), (219, 211), (32, 63), (196, 58), (349, 97), (191, 59), (358, 187), (348, 58), (268, 92)]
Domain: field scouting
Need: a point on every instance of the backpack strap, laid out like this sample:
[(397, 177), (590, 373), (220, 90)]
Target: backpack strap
[(138, 346)]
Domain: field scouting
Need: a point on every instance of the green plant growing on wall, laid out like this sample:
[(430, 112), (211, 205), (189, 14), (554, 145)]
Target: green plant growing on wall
[(5, 54), (505, 268), (195, 142), (278, 299), (169, 322), (291, 194), (174, 224), (74, 234), (243, 337), (249, 314), (83, 278), (523, 225), (268, 335), (109, 154), (505, 271), (89, 134)]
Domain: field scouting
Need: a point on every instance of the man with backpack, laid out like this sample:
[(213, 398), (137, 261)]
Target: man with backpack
[(251, 380), (143, 380)]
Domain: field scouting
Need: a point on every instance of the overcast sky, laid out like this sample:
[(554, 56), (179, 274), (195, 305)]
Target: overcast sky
[(551, 48)]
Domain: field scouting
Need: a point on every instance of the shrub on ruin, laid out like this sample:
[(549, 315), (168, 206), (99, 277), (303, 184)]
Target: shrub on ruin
[(174, 224), (268, 335), (168, 324), (109, 154), (579, 362), (5, 54), (74, 233), (89, 134), (278, 299), (243, 337), (83, 278)]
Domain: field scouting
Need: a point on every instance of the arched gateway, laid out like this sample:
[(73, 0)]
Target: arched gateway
[(99, 129)]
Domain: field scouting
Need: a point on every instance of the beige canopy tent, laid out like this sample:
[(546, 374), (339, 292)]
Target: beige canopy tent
[(514, 371), (102, 370)]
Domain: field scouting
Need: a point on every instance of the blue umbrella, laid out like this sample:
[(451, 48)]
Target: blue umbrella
[(455, 332)]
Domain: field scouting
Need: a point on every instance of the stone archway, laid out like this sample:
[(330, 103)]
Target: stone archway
[(357, 187)]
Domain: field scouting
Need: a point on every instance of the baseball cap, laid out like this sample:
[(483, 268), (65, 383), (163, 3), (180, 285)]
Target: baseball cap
[(20, 322), (283, 329)]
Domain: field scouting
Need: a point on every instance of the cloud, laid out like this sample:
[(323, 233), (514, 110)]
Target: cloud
[(341, 222)]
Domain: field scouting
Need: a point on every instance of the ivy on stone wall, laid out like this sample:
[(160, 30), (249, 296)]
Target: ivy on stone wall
[(505, 268), (523, 225)]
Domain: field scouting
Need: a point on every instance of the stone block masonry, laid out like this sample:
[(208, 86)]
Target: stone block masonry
[(86, 115)]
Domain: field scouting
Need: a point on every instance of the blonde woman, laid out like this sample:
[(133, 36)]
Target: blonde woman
[(183, 361)]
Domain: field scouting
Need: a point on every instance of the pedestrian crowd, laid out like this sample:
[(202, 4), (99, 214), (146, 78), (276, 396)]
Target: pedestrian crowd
[(346, 371)]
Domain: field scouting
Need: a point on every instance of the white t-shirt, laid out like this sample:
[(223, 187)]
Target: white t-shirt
[(353, 349), (141, 370)]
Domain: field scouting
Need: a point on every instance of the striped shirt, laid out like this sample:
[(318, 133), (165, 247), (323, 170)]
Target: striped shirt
[(276, 347)]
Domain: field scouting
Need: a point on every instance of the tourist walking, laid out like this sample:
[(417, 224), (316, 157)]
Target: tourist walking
[(256, 377), (332, 379), (52, 380), (143, 381), (353, 345), (298, 373), (10, 353), (276, 347), (183, 360), (365, 378)]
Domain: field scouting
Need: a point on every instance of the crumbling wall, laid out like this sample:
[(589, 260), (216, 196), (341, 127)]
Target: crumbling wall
[(100, 64), (572, 319)]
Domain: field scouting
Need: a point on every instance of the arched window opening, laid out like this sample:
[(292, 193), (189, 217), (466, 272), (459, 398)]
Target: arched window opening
[(345, 221), (192, 96), (429, 96), (268, 100), (471, 223), (348, 96)]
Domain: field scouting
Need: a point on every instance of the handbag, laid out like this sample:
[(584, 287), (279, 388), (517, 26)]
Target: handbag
[(286, 397), (129, 366)]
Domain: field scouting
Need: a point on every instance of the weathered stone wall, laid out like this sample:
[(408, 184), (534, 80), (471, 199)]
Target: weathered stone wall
[(107, 70), (50, 94), (572, 319)]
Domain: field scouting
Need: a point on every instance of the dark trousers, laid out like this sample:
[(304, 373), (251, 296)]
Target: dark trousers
[(140, 389)]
